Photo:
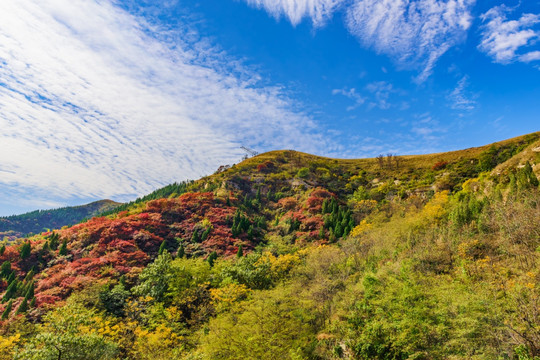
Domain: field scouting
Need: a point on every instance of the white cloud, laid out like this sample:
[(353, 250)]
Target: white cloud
[(351, 94), (414, 32), (93, 104), (502, 38), (296, 10), (376, 94), (460, 97)]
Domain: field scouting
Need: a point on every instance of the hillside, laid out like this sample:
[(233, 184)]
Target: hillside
[(293, 256), (34, 222)]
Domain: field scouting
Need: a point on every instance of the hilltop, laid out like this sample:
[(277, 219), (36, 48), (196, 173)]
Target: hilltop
[(289, 255), (34, 222)]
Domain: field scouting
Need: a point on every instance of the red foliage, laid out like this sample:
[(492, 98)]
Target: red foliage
[(439, 165), (107, 247), (266, 166), (288, 203)]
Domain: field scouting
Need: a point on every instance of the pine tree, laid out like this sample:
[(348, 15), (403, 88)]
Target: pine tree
[(162, 247), (63, 248), (240, 252), (7, 311), (195, 237), (11, 277), (5, 269), (258, 196), (54, 241), (2, 249), (25, 250), (33, 302), (22, 308), (181, 251), (30, 292), (29, 276), (206, 233), (10, 291), (212, 258)]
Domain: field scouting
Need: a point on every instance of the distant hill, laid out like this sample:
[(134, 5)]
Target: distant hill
[(40, 220)]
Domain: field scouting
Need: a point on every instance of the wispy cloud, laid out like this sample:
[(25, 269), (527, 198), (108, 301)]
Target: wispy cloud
[(461, 98), (506, 40), (93, 104), (351, 94), (376, 94), (415, 33), (296, 10)]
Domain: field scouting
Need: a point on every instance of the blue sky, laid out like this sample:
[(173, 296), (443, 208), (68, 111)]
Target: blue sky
[(112, 99)]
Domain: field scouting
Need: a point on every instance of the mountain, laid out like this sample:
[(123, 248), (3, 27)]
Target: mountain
[(288, 255), (40, 220)]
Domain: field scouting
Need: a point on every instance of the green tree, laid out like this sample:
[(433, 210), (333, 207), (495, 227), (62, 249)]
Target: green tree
[(25, 250), (212, 258), (7, 311), (240, 252), (60, 337), (162, 247), (10, 291), (114, 300), (63, 248), (154, 279), (274, 325), (22, 308), (5, 269)]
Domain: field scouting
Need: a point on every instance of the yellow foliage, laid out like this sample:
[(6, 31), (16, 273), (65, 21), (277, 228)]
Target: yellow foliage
[(434, 210), (7, 345), (471, 185), (361, 228), (280, 265), (155, 344), (228, 294), (464, 249), (206, 223)]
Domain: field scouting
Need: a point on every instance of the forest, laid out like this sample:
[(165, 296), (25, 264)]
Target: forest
[(288, 255)]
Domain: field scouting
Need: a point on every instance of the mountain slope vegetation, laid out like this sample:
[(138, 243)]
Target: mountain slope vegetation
[(40, 220), (293, 256)]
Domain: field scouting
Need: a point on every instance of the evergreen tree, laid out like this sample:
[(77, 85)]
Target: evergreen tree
[(2, 249), (181, 251), (25, 250), (212, 258), (10, 291), (195, 237), (206, 233), (33, 302), (54, 241), (22, 308), (7, 311), (11, 277), (63, 248), (5, 269), (240, 252), (162, 247), (30, 291), (258, 196)]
